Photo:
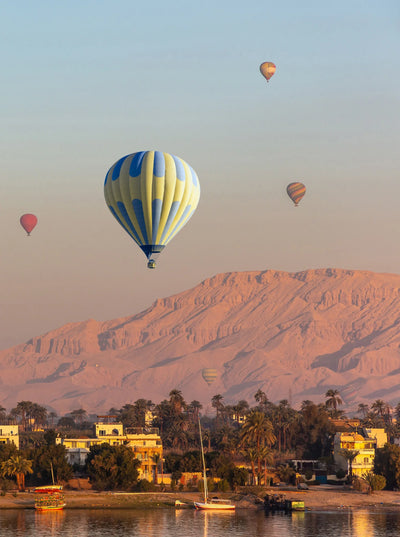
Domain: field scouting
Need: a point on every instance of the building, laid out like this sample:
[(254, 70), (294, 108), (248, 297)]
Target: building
[(145, 443), (363, 449), (378, 434), (9, 434), (147, 446)]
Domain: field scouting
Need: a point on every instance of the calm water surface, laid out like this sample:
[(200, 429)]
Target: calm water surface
[(188, 523)]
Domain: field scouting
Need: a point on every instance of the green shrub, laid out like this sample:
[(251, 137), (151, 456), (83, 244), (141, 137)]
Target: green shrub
[(223, 485), (375, 481), (145, 486), (6, 485), (308, 475), (341, 474)]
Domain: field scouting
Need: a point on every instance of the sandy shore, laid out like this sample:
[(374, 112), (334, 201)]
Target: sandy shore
[(315, 499)]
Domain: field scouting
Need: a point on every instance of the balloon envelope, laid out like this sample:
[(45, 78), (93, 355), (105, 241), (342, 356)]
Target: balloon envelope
[(209, 375), (152, 195), (296, 192), (28, 222), (267, 69)]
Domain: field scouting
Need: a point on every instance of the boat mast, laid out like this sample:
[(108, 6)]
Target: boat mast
[(204, 466), (52, 472)]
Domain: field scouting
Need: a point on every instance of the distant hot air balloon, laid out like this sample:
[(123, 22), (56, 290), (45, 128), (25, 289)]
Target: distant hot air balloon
[(28, 222), (152, 195), (209, 375), (267, 70), (296, 192)]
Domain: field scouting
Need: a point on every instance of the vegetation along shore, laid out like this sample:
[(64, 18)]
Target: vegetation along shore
[(146, 456)]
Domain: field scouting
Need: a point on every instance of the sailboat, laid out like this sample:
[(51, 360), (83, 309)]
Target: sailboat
[(210, 504)]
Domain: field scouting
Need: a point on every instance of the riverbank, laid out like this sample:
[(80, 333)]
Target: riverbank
[(315, 499)]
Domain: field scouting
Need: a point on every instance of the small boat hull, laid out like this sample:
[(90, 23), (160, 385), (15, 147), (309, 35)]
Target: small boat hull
[(214, 506), (51, 508)]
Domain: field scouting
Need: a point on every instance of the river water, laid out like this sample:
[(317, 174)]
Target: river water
[(191, 523)]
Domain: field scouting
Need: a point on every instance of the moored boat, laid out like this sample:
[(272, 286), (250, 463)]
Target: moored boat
[(49, 498), (211, 504), (215, 504)]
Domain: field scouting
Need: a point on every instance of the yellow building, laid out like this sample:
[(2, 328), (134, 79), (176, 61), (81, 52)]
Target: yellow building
[(362, 447), (9, 434), (144, 442), (379, 435)]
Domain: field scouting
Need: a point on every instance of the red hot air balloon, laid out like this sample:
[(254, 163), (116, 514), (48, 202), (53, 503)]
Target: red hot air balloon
[(28, 222)]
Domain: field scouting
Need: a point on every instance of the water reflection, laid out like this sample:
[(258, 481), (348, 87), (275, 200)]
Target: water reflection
[(191, 523), (49, 523)]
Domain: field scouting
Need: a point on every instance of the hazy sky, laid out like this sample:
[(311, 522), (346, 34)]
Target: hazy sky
[(86, 82)]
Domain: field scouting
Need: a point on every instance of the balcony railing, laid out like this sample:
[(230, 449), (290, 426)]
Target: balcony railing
[(142, 430), (368, 464)]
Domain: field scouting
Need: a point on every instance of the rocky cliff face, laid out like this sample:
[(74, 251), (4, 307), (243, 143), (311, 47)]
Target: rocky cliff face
[(294, 335)]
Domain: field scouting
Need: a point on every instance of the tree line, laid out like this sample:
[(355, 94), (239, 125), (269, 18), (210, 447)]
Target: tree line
[(259, 437)]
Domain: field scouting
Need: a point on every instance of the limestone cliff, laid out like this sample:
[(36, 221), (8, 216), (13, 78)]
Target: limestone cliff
[(294, 335)]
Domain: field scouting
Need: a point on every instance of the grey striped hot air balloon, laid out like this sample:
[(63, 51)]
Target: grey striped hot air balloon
[(209, 375)]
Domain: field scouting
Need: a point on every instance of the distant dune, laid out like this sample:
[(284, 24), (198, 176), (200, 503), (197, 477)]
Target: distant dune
[(294, 335)]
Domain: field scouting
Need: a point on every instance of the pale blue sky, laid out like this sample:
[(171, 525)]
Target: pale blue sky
[(84, 83)]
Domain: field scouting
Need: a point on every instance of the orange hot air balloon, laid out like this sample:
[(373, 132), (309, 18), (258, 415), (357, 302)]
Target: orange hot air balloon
[(28, 222), (267, 70), (296, 192)]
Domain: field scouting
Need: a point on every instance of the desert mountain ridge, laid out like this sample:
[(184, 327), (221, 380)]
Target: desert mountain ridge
[(292, 334)]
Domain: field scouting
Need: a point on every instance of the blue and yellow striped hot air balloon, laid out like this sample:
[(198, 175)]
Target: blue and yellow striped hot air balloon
[(152, 195)]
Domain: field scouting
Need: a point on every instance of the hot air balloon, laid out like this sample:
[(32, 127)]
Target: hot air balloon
[(152, 195), (296, 192), (267, 70), (209, 375), (28, 222)]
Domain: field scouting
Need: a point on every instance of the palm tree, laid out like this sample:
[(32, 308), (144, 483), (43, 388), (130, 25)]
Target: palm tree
[(17, 466), (268, 459), (261, 397), (176, 401), (363, 409), (52, 416), (349, 455), (3, 413), (141, 407), (38, 414), (207, 438), (379, 407), (194, 408), (334, 400), (22, 410), (156, 457), (78, 415), (240, 409), (282, 418), (216, 402), (250, 454), (382, 409), (257, 431)]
